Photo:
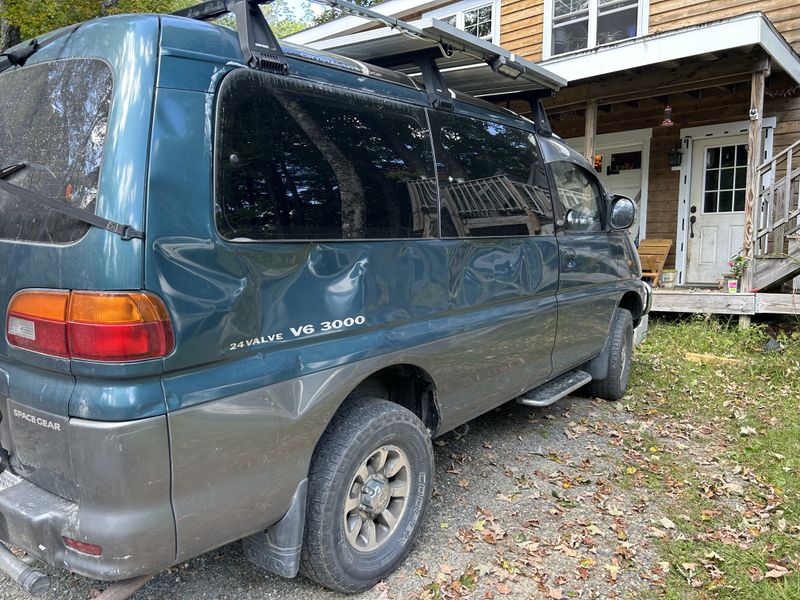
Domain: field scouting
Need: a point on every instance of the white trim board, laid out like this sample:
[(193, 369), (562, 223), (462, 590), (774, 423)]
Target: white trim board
[(637, 138), (688, 134), (737, 32)]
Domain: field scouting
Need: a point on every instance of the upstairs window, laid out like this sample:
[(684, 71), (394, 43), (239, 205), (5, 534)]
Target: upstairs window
[(572, 25), (477, 18)]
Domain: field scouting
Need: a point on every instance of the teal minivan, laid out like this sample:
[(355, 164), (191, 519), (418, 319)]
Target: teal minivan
[(243, 293)]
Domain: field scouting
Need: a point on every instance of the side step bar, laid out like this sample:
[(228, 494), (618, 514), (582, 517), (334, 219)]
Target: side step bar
[(554, 390)]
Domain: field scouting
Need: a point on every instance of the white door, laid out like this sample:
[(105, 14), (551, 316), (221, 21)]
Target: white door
[(716, 214)]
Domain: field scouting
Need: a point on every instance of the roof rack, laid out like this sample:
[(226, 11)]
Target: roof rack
[(438, 47), (440, 53), (259, 44)]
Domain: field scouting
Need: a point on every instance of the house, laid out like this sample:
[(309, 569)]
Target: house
[(690, 107)]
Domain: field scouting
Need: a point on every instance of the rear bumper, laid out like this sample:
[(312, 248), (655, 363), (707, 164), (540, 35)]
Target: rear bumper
[(32, 519), (123, 504), (35, 520)]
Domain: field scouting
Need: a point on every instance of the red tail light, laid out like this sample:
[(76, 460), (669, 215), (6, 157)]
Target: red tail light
[(101, 326)]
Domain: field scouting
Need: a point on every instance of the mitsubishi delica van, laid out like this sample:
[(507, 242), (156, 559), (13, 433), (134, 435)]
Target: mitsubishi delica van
[(243, 291)]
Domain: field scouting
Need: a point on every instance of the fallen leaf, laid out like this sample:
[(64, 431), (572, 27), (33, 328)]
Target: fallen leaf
[(776, 571), (667, 523), (503, 589)]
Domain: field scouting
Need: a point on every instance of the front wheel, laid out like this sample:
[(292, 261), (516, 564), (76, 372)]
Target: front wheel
[(620, 340), (368, 488)]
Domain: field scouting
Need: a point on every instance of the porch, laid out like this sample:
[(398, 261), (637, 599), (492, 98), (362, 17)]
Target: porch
[(702, 127), (696, 301)]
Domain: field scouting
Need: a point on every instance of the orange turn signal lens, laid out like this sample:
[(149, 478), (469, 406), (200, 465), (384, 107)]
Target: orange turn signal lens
[(41, 304), (115, 308)]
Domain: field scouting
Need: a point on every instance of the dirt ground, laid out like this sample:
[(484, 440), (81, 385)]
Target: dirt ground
[(528, 503)]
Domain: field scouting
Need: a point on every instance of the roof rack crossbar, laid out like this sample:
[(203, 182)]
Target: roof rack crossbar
[(258, 42)]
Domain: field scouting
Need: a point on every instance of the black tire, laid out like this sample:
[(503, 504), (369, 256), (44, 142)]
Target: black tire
[(619, 359), (361, 428)]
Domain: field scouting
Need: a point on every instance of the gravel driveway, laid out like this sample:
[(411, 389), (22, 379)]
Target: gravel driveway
[(528, 503)]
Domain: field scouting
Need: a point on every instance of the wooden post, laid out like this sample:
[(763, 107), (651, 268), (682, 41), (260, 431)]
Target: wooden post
[(760, 74), (591, 129)]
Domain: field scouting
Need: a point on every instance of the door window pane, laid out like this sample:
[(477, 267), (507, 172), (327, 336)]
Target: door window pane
[(492, 179), (738, 200), (579, 197), (725, 178), (296, 163)]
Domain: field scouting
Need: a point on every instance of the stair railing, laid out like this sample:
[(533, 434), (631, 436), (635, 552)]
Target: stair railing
[(778, 207)]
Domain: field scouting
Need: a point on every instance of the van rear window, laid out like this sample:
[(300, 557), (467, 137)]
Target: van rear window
[(53, 118), (302, 162)]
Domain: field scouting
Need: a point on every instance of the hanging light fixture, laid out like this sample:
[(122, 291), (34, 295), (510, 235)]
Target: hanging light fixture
[(675, 156), (667, 122)]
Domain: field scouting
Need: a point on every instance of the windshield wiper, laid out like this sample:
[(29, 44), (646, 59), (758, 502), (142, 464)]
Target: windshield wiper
[(11, 169), (126, 232)]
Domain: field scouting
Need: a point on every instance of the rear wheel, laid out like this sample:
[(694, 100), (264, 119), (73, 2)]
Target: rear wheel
[(368, 488), (619, 359)]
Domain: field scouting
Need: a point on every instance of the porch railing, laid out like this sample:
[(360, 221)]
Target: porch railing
[(777, 219)]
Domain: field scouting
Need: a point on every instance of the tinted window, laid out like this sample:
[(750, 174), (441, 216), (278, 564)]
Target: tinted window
[(296, 162), (492, 179), (580, 198), (53, 118)]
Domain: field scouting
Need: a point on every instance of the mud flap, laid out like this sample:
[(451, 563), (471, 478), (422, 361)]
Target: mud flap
[(277, 549)]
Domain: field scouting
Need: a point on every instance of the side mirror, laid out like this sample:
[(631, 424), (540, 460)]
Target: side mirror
[(623, 212)]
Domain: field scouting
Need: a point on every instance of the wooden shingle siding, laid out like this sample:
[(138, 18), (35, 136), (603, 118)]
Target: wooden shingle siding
[(521, 24), (666, 15)]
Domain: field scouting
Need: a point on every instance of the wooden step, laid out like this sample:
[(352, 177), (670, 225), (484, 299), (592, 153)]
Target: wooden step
[(772, 272)]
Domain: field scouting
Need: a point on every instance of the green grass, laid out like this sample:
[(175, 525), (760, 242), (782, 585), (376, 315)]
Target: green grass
[(710, 403)]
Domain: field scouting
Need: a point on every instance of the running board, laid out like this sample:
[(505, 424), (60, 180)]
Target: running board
[(561, 386)]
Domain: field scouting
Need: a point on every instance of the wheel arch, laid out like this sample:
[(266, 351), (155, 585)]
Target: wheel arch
[(406, 384), (632, 302)]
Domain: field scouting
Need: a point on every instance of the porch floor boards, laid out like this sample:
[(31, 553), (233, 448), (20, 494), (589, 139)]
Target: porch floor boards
[(724, 303)]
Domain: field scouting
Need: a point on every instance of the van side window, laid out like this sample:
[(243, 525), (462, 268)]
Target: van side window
[(300, 163), (492, 179), (579, 197)]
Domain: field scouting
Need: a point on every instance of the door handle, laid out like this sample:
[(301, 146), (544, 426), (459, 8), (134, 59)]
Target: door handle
[(692, 220), (570, 259)]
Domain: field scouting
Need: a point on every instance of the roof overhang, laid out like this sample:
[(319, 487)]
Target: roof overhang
[(751, 29), (464, 60)]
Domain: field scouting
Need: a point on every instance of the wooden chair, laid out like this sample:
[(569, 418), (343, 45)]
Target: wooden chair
[(653, 255)]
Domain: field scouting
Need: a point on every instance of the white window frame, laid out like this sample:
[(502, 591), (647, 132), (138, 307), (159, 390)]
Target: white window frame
[(547, 38), (459, 8)]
